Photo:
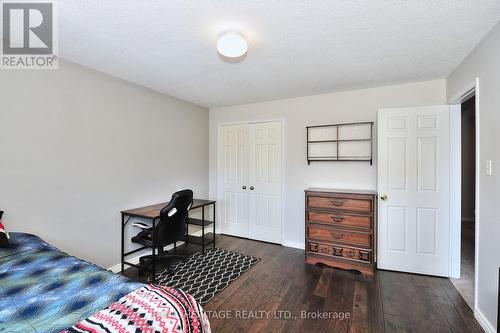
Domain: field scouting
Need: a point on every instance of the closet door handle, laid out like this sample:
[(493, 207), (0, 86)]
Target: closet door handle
[(244, 187), (252, 188)]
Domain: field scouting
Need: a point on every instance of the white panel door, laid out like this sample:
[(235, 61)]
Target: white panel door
[(249, 180), (265, 179), (413, 186), (233, 179)]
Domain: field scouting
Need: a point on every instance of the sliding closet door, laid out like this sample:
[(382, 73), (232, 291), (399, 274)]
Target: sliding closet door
[(233, 180), (265, 179)]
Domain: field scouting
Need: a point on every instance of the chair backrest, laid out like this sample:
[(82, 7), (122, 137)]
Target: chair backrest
[(173, 218)]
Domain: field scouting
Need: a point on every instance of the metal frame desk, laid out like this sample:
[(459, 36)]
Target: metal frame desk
[(152, 213)]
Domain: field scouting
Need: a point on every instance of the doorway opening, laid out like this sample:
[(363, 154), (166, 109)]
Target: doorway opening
[(465, 284)]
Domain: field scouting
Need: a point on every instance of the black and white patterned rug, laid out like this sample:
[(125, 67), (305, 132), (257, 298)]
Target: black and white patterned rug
[(204, 275)]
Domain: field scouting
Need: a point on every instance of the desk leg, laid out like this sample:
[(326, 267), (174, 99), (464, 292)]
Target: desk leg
[(123, 244), (186, 240), (214, 226), (203, 229), (154, 250)]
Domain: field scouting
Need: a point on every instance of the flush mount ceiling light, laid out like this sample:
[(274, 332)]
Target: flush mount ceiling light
[(232, 45)]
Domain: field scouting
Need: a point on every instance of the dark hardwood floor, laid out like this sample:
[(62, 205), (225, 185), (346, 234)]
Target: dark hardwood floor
[(274, 294)]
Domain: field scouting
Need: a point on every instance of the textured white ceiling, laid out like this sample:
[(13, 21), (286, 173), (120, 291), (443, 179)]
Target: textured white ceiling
[(296, 48)]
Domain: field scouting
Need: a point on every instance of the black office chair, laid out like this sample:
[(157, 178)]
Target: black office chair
[(171, 228)]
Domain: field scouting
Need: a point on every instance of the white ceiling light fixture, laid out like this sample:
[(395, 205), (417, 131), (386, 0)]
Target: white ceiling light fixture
[(232, 45)]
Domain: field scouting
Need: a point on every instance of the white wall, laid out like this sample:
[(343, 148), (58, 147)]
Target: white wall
[(78, 146), (484, 63), (358, 105)]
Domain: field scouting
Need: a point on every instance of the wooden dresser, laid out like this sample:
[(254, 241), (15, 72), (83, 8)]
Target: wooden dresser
[(340, 228)]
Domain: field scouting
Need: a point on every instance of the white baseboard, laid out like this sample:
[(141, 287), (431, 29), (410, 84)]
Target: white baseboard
[(296, 245), (485, 323), (135, 260), (118, 267)]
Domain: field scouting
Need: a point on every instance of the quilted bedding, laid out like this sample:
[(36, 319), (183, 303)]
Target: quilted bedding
[(147, 310), (44, 290)]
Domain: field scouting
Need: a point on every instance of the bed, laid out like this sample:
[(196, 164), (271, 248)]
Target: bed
[(44, 290)]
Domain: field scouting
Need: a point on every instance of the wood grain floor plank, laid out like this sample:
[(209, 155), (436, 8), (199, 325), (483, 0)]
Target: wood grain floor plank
[(360, 321)]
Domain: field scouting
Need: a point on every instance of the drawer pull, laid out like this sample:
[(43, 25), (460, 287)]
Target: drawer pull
[(364, 256), (338, 218), (325, 250), (339, 235), (337, 251), (313, 247), (350, 253), (337, 203)]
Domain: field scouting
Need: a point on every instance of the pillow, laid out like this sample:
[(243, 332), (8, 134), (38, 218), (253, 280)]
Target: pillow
[(4, 235)]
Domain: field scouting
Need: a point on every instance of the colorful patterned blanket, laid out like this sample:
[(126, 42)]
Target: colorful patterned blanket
[(149, 309), (44, 290)]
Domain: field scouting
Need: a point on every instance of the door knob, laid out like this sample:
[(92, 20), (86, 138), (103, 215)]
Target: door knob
[(384, 197), (244, 187), (251, 188)]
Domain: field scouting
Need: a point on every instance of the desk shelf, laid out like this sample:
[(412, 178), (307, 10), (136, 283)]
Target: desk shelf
[(198, 222), (206, 238), (198, 240)]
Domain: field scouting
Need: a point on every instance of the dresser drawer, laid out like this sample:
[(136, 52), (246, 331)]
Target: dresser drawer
[(340, 203), (340, 219), (341, 252), (335, 235)]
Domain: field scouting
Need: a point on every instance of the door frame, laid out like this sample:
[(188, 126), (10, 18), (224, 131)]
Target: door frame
[(217, 169), (466, 92)]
